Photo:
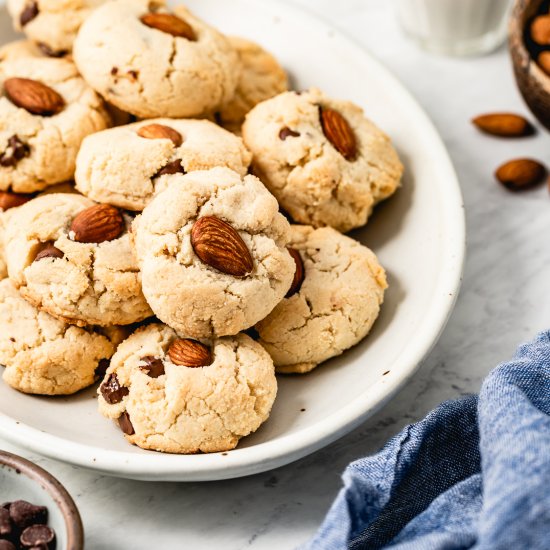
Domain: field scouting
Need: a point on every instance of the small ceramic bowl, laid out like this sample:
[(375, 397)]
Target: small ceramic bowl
[(532, 81), (20, 479)]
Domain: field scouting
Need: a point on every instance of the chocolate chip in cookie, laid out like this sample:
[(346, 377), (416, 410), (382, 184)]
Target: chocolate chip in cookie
[(126, 424), (14, 152), (112, 391), (30, 11), (153, 366)]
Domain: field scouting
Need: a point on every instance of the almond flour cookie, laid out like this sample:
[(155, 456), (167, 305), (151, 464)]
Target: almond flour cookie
[(332, 305), (324, 161), (211, 248), (73, 259), (46, 356), (261, 77), (52, 24), (127, 166), (8, 202), (46, 110), (183, 396), (155, 63)]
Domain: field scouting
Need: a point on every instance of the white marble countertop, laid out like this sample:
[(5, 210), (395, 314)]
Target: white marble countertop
[(501, 304)]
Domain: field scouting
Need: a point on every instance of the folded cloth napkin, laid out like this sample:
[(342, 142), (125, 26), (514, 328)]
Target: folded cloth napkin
[(475, 473)]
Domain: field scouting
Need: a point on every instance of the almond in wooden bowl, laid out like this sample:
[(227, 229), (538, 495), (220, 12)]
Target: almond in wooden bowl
[(527, 42)]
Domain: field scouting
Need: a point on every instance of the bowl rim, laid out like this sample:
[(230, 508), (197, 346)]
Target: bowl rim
[(64, 501)]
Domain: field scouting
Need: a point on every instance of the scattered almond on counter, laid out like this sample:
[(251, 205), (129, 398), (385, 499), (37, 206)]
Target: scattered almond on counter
[(504, 125), (521, 174)]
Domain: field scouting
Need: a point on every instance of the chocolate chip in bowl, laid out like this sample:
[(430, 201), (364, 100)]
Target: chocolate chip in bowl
[(36, 510), (529, 47)]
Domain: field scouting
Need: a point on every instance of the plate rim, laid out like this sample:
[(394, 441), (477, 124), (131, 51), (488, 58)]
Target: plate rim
[(288, 448)]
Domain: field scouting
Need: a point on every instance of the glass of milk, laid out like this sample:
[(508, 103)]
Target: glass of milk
[(455, 27)]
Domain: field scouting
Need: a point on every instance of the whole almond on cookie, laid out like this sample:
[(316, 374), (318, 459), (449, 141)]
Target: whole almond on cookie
[(11, 200), (189, 353), (33, 96), (299, 274), (520, 174), (159, 131), (170, 24), (338, 132), (218, 245), (503, 125), (97, 224)]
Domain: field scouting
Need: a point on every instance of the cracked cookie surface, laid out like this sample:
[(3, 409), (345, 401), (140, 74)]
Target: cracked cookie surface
[(335, 307), (151, 73), (119, 167), (91, 283), (189, 295), (311, 179), (37, 151), (188, 409), (46, 356), (51, 23), (261, 77)]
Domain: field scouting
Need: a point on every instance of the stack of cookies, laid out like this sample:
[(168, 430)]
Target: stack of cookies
[(172, 220)]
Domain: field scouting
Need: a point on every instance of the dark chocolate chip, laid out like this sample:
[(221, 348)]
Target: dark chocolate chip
[(50, 251), (46, 50), (173, 167), (30, 11), (218, 118), (112, 391), (125, 424), (6, 545), (40, 536), (15, 151), (6, 527), (287, 132), (101, 368), (114, 71), (133, 74), (154, 367), (24, 513)]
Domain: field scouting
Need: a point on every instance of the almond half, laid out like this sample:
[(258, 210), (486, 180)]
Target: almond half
[(338, 131), (218, 245), (33, 96), (189, 353), (503, 125), (521, 174), (159, 131), (170, 24), (97, 224)]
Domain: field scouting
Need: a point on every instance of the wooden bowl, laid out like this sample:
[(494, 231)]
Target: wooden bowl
[(532, 81)]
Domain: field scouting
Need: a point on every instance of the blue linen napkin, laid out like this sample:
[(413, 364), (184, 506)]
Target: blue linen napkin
[(475, 473)]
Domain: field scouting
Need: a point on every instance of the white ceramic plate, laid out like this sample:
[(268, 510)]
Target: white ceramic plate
[(418, 236)]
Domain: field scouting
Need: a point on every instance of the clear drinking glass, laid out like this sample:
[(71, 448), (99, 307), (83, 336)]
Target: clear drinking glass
[(455, 27)]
